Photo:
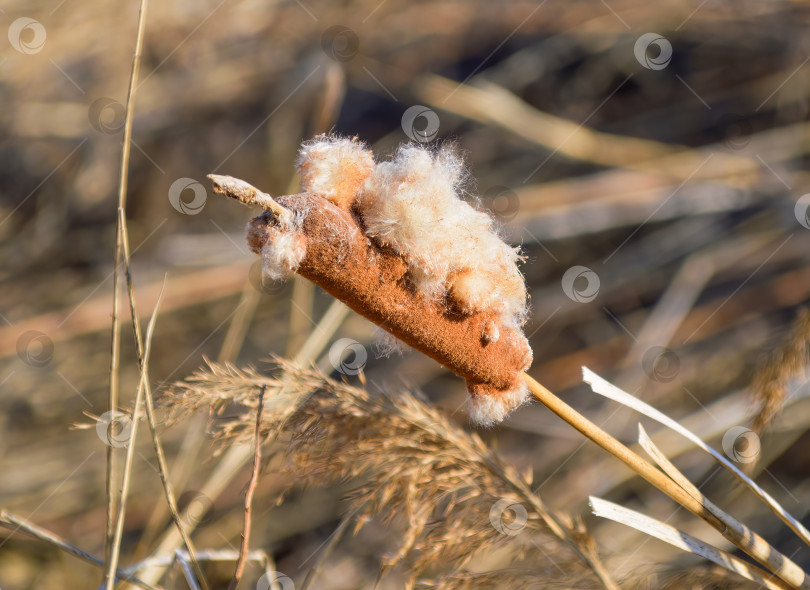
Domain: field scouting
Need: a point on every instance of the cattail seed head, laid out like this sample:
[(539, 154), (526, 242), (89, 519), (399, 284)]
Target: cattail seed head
[(397, 242)]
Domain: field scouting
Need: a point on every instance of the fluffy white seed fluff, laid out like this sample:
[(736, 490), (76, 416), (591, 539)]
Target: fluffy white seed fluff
[(488, 410), (282, 253), (386, 344), (413, 204), (334, 168)]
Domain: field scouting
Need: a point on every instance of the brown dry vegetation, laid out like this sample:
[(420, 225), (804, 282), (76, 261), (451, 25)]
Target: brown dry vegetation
[(678, 187)]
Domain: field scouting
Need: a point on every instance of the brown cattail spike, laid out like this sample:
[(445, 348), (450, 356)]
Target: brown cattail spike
[(396, 243)]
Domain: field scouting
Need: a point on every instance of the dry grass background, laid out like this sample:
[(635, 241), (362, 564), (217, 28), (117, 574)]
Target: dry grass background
[(677, 187)]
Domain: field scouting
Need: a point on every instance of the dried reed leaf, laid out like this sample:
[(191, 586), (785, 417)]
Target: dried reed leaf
[(610, 391), (669, 534)]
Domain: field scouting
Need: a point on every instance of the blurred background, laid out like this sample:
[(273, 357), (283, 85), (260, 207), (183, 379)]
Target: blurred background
[(649, 158)]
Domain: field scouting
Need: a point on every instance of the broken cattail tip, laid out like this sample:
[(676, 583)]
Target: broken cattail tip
[(249, 195)]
